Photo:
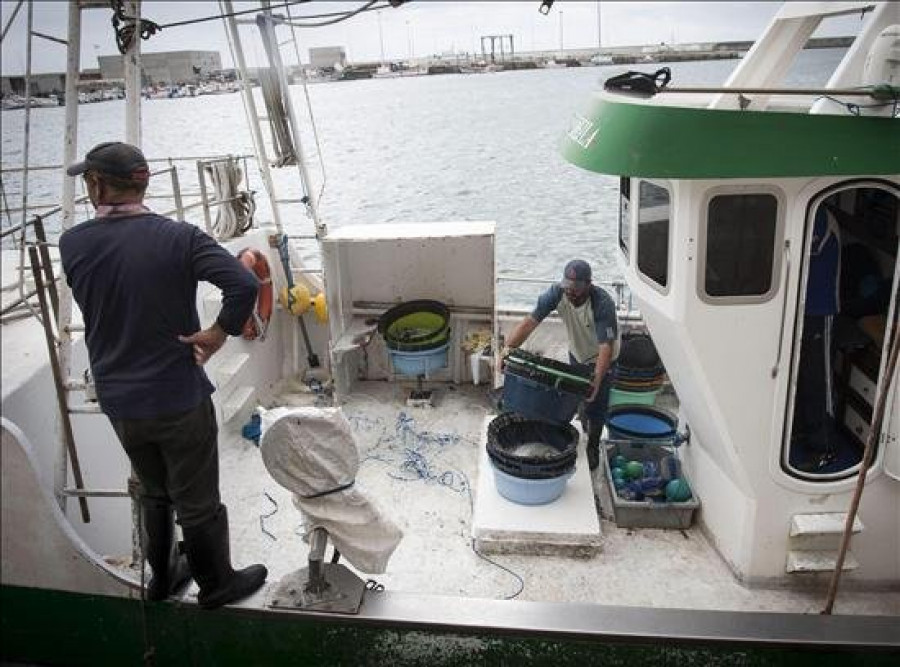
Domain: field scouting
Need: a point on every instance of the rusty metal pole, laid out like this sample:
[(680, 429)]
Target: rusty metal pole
[(874, 432)]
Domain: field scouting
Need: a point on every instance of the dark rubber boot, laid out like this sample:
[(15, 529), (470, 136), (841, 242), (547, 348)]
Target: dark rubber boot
[(170, 568), (593, 446), (209, 554)]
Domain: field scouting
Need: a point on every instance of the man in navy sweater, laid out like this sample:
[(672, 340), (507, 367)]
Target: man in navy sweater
[(134, 275)]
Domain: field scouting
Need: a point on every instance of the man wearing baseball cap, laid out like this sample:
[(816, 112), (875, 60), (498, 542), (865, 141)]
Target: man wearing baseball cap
[(589, 314), (134, 275)]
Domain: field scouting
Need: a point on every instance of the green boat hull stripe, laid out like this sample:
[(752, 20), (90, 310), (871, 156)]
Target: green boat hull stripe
[(653, 141), (58, 628)]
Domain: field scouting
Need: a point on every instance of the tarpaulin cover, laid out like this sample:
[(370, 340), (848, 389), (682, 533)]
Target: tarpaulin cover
[(311, 452)]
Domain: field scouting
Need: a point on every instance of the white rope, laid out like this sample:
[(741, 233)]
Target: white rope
[(236, 208)]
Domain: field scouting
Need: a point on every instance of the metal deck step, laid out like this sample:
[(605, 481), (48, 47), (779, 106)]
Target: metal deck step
[(237, 403), (817, 561), (229, 367), (830, 523)]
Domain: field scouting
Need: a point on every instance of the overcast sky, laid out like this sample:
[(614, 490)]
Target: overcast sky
[(419, 28)]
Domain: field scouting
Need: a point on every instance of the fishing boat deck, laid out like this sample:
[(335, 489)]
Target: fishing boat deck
[(420, 466)]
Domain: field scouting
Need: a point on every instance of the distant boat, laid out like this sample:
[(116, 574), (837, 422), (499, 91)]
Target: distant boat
[(19, 102), (351, 74)]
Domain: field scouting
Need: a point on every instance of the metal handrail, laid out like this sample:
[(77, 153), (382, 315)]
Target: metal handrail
[(183, 158), (787, 276)]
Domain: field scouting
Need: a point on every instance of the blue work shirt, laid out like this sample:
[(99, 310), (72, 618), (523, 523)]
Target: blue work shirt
[(135, 279)]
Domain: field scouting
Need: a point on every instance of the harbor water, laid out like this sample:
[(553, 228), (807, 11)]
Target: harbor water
[(412, 149)]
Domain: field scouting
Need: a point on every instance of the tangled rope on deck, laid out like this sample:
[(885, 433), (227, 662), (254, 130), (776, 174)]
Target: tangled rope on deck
[(415, 462)]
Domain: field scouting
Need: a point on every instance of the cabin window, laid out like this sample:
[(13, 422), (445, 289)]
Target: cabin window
[(625, 215), (740, 245), (653, 233)]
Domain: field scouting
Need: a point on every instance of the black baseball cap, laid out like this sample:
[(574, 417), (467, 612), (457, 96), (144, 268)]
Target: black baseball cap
[(116, 159), (576, 274)]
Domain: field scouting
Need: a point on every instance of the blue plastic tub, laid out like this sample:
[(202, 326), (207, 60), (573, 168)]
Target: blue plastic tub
[(419, 363), (641, 422), (530, 491), (538, 401)]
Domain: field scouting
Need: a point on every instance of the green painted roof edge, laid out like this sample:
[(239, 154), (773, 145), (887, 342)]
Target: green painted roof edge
[(654, 141)]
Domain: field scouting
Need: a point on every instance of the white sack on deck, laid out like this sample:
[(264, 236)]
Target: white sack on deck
[(311, 451)]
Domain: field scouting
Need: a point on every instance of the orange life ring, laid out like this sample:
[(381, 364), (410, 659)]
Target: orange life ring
[(258, 323)]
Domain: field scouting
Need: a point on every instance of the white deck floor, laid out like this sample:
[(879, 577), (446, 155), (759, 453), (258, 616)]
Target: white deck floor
[(420, 464)]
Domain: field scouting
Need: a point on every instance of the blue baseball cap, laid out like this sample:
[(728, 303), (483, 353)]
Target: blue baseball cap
[(576, 274)]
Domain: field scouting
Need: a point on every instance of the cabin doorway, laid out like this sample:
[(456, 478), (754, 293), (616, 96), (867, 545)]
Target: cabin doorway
[(850, 282)]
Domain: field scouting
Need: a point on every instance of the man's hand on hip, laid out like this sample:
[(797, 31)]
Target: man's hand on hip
[(206, 342)]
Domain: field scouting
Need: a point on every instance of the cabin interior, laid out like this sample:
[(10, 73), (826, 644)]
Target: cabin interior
[(863, 257)]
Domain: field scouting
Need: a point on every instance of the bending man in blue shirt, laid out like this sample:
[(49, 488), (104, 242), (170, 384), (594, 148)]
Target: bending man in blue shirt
[(589, 314), (134, 275)]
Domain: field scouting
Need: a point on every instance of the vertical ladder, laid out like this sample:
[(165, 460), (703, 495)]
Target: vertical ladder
[(60, 343)]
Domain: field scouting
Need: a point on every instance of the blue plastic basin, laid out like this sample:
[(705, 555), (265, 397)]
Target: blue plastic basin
[(419, 363), (640, 422), (530, 491)]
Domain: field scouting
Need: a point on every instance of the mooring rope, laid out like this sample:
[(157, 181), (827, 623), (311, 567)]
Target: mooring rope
[(236, 207)]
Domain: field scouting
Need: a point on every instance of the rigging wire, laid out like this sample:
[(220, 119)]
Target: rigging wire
[(368, 7), (154, 27), (11, 19), (228, 15), (312, 118)]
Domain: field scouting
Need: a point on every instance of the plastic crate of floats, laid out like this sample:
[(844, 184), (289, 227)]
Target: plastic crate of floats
[(647, 513)]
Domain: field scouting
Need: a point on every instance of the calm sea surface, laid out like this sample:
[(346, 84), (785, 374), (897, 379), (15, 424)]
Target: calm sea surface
[(416, 149)]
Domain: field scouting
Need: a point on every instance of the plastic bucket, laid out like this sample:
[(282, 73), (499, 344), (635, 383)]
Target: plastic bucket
[(530, 491), (538, 401), (548, 371), (419, 363), (641, 422), (415, 326), (638, 351), (623, 397), (529, 448)]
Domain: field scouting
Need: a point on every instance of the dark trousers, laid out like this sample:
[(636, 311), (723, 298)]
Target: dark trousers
[(813, 402), (176, 459), (594, 412)]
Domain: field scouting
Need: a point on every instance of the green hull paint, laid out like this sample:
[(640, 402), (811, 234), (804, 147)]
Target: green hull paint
[(58, 628), (652, 141)]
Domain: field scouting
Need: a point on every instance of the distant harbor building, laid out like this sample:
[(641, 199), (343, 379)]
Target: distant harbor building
[(41, 84), (166, 68), (326, 57)]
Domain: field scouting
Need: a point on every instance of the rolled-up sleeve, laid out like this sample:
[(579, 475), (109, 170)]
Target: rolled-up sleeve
[(212, 263), (606, 323), (547, 302)]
